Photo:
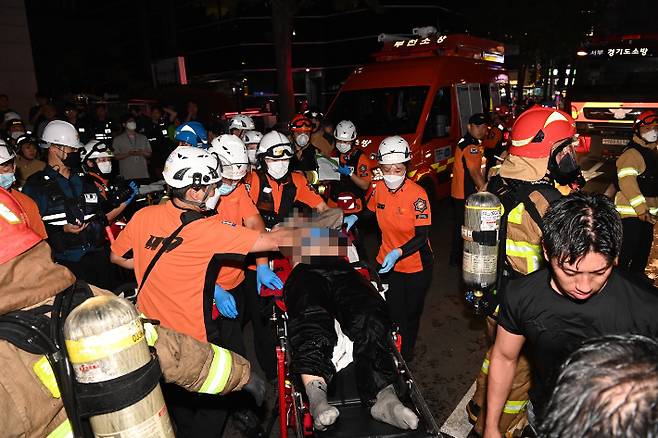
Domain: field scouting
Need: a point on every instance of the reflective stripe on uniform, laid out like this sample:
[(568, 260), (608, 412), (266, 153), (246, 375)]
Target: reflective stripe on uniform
[(485, 366), (516, 214), (45, 373), (625, 209), (627, 171), (220, 369), (528, 251), (151, 334), (515, 406), (639, 199), (63, 431)]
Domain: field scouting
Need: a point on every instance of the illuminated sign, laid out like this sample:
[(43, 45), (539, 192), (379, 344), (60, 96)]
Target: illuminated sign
[(616, 52), (419, 42)]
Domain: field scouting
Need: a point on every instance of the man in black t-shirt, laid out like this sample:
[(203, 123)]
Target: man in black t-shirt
[(579, 297)]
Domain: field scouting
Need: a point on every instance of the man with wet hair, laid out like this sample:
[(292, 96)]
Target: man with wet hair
[(580, 296), (606, 388)]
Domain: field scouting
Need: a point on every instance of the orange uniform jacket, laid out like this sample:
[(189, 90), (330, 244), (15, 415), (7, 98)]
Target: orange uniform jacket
[(398, 214)]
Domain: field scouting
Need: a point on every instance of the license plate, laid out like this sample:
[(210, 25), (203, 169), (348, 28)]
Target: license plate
[(614, 141)]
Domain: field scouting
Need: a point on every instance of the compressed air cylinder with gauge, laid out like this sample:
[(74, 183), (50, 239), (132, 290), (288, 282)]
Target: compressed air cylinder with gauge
[(117, 375), (480, 262)]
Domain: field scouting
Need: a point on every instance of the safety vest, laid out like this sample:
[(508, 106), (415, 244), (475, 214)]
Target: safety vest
[(265, 202), (61, 209), (345, 184)]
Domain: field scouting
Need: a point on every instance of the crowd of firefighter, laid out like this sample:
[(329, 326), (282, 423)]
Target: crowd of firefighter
[(206, 228)]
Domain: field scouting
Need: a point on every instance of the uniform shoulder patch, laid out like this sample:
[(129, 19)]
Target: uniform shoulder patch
[(363, 170), (420, 205)]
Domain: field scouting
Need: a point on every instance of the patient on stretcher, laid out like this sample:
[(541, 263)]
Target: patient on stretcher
[(323, 286)]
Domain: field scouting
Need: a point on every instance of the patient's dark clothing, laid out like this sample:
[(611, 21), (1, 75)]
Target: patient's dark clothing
[(328, 289)]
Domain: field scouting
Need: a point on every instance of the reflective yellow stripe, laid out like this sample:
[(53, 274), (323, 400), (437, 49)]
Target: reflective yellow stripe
[(515, 406), (627, 171), (639, 199), (151, 334), (220, 369), (485, 366), (528, 251), (624, 209), (45, 373), (516, 214), (63, 431), (653, 211)]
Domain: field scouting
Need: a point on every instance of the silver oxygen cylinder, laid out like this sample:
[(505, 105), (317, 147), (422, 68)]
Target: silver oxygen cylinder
[(480, 233)]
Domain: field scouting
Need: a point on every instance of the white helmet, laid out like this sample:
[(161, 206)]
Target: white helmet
[(345, 131), (242, 122), (6, 153), (96, 149), (275, 145), (61, 133), (12, 115), (232, 156), (189, 165), (393, 150), (252, 137)]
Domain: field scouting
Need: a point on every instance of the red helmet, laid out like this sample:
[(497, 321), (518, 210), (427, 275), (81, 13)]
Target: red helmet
[(17, 237), (536, 131), (647, 118), (300, 123)]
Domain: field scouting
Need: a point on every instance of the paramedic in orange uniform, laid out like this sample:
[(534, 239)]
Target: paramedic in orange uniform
[(274, 188), (403, 213), (239, 287), (466, 177), (8, 181)]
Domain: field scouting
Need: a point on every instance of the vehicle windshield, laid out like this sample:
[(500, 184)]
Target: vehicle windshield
[(381, 111), (616, 76)]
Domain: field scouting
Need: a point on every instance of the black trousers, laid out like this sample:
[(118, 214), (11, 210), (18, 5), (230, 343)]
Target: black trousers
[(636, 247), (95, 268), (315, 295), (230, 330), (258, 310), (457, 243), (405, 299), (195, 415)]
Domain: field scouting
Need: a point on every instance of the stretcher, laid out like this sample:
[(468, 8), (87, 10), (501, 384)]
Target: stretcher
[(355, 419)]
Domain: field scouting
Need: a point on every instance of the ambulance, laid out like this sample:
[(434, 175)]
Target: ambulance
[(424, 88)]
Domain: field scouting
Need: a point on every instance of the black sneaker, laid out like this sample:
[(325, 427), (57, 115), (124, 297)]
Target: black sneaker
[(473, 411)]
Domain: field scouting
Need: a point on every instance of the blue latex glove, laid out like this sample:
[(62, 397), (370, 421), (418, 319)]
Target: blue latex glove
[(390, 260), (350, 221), (344, 170), (266, 277), (133, 185), (225, 302)]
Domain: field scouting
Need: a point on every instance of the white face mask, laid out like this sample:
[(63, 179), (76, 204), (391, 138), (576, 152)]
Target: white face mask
[(302, 139), (226, 189), (278, 169), (131, 126), (16, 134), (105, 166), (651, 136), (7, 180), (343, 147), (212, 201), (251, 153), (393, 181)]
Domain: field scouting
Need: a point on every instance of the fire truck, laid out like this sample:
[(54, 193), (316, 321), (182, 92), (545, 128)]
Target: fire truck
[(615, 80), (424, 88)]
